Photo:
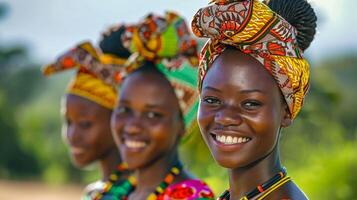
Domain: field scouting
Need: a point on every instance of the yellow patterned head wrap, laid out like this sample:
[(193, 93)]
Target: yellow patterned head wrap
[(97, 73), (252, 27)]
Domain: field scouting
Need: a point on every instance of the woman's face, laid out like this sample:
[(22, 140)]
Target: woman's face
[(146, 123), (86, 130), (241, 110)]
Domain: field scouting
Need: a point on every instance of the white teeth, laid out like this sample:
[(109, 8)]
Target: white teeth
[(134, 144), (231, 140), (223, 138), (240, 140)]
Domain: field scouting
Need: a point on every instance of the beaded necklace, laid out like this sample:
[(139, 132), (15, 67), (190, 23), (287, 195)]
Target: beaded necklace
[(268, 187), (113, 178), (129, 185)]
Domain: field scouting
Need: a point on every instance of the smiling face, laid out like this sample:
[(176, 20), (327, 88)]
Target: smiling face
[(86, 130), (146, 123), (241, 110)]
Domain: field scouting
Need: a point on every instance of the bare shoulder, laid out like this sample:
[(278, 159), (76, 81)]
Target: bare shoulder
[(290, 191)]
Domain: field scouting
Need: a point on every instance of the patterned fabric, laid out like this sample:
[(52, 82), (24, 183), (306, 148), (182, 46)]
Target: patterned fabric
[(187, 190), (250, 26), (97, 73), (166, 42), (161, 38)]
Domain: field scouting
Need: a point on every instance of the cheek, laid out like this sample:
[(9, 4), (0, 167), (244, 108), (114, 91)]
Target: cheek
[(164, 135), (204, 118), (117, 126)]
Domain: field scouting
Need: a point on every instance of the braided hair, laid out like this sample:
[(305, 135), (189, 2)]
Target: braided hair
[(111, 43), (299, 14)]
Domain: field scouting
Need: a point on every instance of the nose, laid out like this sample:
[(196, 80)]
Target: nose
[(72, 134), (133, 125), (228, 116)]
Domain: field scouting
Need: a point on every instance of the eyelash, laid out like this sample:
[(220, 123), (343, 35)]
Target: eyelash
[(153, 115), (122, 110), (253, 104), (211, 100)]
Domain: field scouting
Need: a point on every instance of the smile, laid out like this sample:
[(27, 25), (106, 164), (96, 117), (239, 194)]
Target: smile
[(135, 144), (227, 139)]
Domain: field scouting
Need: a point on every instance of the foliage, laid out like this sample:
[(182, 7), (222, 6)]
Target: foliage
[(319, 149)]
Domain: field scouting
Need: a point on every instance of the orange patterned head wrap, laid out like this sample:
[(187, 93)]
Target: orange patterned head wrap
[(97, 73), (252, 27)]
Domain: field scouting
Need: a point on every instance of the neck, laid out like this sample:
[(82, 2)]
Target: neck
[(149, 177), (109, 163), (244, 179)]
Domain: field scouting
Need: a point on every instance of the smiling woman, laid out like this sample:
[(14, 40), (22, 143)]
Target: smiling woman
[(87, 108), (156, 107), (253, 79)]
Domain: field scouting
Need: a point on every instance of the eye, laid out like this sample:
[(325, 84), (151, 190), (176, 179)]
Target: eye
[(68, 122), (122, 110), (85, 124), (153, 115), (251, 104), (211, 100)]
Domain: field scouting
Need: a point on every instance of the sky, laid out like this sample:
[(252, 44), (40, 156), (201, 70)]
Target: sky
[(49, 27)]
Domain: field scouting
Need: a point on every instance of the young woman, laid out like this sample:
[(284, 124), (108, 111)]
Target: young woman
[(253, 79), (156, 106), (87, 109)]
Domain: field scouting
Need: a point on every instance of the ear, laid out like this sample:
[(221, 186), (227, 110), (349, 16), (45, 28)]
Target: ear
[(286, 117)]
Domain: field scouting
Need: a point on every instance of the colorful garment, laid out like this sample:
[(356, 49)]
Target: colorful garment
[(252, 27), (188, 190), (97, 73), (166, 42)]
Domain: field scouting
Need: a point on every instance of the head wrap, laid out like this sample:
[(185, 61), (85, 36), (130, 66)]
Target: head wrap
[(166, 42), (97, 73), (253, 28)]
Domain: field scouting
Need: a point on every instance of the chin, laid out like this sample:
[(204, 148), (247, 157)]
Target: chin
[(80, 163), (227, 161)]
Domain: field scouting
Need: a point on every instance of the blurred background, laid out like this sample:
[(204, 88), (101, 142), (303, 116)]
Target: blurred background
[(319, 149)]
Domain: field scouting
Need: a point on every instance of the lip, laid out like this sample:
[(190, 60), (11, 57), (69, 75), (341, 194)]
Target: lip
[(227, 147), (77, 150), (228, 132), (134, 148)]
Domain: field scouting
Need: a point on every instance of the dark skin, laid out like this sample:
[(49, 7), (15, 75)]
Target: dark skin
[(239, 98), (88, 134), (147, 127)]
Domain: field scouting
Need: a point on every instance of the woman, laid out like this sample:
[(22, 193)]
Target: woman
[(253, 79), (156, 106), (87, 108)]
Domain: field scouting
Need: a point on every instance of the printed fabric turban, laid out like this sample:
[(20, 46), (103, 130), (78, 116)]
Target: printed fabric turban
[(167, 42), (97, 73), (253, 28)]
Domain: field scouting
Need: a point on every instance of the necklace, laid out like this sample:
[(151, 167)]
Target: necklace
[(268, 187), (129, 185), (113, 178)]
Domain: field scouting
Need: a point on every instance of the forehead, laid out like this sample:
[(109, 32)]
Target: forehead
[(148, 88), (238, 70), (80, 105)]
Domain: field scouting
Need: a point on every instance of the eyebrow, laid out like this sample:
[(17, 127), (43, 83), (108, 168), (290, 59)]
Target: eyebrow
[(149, 106), (211, 88), (242, 91), (251, 91)]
